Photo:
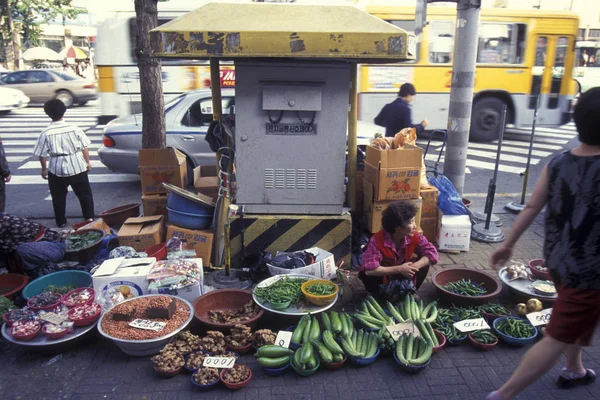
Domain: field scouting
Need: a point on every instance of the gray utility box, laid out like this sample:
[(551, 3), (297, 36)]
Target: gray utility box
[(290, 136)]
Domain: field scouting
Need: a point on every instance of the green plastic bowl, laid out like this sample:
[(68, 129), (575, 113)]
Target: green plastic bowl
[(307, 372), (280, 306)]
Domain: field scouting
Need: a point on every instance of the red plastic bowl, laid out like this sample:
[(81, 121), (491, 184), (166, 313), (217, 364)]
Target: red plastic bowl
[(14, 283), (335, 365), (158, 251), (481, 346), (224, 299), (89, 301), (235, 386), (84, 321), (167, 374), (9, 322), (45, 308), (27, 337), (55, 335), (80, 225), (442, 277), (116, 217), (545, 276), (441, 338)]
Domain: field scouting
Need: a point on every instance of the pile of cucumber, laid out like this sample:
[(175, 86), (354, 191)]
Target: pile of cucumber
[(427, 333), (339, 324), (271, 356), (413, 351), (305, 358), (371, 315), (413, 310), (361, 344), (329, 351), (308, 329)]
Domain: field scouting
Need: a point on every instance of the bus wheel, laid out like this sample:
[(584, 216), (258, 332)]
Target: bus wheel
[(486, 119)]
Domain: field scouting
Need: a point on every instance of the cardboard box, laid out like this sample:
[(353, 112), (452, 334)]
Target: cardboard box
[(154, 204), (206, 181), (201, 240), (374, 209), (190, 292), (162, 165), (429, 226), (430, 202), (324, 267), (454, 232), (98, 224), (143, 232), (400, 182), (127, 276)]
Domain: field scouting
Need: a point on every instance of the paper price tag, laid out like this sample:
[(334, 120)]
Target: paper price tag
[(540, 318), (470, 325), (53, 318), (403, 328), (283, 339), (148, 325), (219, 362)]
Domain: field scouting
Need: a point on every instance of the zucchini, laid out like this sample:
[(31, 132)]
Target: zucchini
[(423, 358), (326, 321), (363, 307), (409, 348), (273, 362), (374, 344), (434, 314), (420, 309), (349, 323), (368, 323), (338, 358), (427, 310), (377, 307), (299, 331), (395, 313), (336, 324), (350, 350), (311, 364), (359, 341), (415, 350), (400, 344), (409, 310), (434, 338), (372, 311), (306, 333), (272, 351), (422, 329), (315, 329), (370, 318), (331, 344), (324, 352), (296, 360), (345, 325), (406, 308), (354, 338), (307, 352)]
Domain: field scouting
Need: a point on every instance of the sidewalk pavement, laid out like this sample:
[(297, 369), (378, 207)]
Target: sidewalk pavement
[(98, 370)]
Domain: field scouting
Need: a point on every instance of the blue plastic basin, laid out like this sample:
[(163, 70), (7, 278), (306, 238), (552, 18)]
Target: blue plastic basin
[(189, 221), (62, 278), (180, 203), (363, 362), (411, 369), (513, 341)]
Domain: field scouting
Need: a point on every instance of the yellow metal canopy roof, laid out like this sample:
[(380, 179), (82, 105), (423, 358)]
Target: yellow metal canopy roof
[(262, 30)]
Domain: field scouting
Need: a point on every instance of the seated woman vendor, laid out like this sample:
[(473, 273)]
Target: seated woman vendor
[(397, 258)]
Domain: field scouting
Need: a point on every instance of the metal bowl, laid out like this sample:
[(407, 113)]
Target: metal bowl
[(140, 348)]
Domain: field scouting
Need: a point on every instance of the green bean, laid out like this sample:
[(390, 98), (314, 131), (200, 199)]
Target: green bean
[(320, 289), (283, 291), (516, 328), (465, 287), (494, 308), (484, 336)]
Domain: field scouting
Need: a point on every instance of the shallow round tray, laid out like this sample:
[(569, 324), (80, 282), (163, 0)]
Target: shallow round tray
[(148, 346), (42, 340), (522, 286), (292, 310)]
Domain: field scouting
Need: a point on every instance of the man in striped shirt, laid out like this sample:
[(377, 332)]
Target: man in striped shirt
[(66, 147)]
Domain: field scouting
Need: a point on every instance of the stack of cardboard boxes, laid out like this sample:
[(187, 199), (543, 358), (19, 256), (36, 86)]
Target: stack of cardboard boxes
[(391, 175), (429, 213)]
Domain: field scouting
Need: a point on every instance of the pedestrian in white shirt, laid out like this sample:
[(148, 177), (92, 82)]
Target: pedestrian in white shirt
[(66, 147)]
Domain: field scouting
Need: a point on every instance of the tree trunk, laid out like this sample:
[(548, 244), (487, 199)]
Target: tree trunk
[(153, 105), (11, 49)]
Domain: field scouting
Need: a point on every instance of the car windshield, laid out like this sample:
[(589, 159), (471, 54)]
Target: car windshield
[(66, 77), (174, 102)]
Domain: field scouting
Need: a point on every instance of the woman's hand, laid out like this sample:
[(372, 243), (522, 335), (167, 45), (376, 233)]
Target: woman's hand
[(408, 270), (500, 257)]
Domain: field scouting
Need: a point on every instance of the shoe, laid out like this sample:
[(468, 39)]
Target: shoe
[(587, 379), (62, 225)]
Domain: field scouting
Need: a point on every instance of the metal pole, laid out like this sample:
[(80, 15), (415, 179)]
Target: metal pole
[(526, 178), (461, 94), (352, 141), (215, 89), (492, 189)]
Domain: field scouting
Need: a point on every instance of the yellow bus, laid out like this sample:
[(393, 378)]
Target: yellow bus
[(521, 54)]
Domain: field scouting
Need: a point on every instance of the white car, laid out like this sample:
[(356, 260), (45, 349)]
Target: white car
[(12, 99)]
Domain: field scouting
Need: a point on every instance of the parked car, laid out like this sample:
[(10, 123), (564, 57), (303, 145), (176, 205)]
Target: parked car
[(41, 85), (12, 99), (187, 118)]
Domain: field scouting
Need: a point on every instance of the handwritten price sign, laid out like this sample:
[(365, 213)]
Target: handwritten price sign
[(283, 339), (219, 362), (540, 318), (403, 328), (470, 325), (148, 325), (53, 318)]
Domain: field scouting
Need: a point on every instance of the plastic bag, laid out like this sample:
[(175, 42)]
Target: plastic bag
[(397, 289), (179, 248), (449, 200)]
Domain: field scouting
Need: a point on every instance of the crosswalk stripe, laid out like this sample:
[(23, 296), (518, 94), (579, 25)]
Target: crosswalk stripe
[(552, 135), (526, 144), (509, 149), (36, 164), (17, 159), (94, 178), (27, 135), (537, 140)]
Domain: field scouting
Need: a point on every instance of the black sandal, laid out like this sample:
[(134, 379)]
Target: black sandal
[(587, 379)]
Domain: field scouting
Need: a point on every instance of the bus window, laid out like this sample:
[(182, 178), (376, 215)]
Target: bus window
[(408, 26), (538, 69), (558, 71), (501, 43), (441, 42)]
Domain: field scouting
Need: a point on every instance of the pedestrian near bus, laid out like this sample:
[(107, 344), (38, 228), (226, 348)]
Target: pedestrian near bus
[(64, 147), (569, 188), (396, 115), (4, 177)]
